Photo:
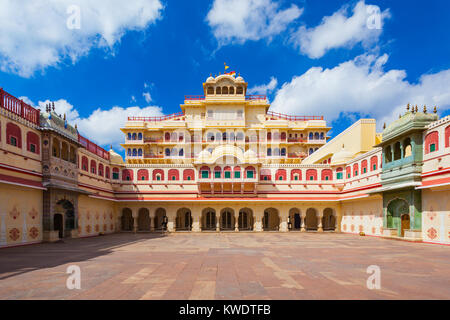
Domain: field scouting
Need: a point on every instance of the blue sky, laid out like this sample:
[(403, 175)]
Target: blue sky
[(143, 56)]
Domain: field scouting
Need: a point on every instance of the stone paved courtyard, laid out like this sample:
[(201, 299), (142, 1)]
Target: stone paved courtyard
[(226, 266)]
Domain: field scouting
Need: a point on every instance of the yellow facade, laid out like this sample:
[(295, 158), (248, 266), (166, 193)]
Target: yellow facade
[(224, 163)]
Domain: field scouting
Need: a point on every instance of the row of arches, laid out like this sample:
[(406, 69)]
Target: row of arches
[(431, 143), (225, 220), (62, 150), (224, 90), (100, 169), (134, 136), (14, 138), (353, 171)]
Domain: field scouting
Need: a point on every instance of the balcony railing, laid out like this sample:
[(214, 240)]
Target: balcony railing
[(202, 97), (18, 107), (153, 140), (92, 147), (296, 140), (292, 118), (172, 116)]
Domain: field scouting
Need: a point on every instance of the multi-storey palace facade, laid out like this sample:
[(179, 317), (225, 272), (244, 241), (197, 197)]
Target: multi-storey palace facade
[(224, 163)]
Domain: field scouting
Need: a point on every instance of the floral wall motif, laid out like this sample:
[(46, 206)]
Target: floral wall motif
[(435, 216), (362, 216)]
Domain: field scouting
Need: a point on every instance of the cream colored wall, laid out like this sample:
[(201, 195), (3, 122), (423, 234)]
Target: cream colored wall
[(95, 216), (20, 221), (362, 216), (358, 138), (436, 216), (19, 157)]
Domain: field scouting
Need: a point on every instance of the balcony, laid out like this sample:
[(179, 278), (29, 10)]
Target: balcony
[(18, 107), (296, 140), (153, 140)]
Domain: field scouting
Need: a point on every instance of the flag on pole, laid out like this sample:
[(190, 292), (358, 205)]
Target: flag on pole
[(232, 73), (226, 67)]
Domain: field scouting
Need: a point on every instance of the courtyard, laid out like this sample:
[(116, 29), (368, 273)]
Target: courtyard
[(226, 266)]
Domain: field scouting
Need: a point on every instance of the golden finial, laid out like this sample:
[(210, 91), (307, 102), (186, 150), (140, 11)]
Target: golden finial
[(399, 116), (424, 109), (76, 127), (407, 107), (64, 117), (417, 109), (384, 126), (435, 109)]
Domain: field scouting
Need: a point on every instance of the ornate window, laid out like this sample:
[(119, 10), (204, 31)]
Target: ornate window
[(432, 142)]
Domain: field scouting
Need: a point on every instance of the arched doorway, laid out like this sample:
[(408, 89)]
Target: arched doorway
[(397, 210), (159, 217), (227, 219), (271, 220), (245, 220), (144, 220), (66, 210), (127, 220), (311, 219), (183, 220), (328, 220), (209, 219), (58, 224), (405, 223), (295, 219)]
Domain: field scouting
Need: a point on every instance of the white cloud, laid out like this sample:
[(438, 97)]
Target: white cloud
[(147, 97), (264, 88), (133, 99), (361, 86), (103, 125), (242, 20), (34, 34), (340, 30)]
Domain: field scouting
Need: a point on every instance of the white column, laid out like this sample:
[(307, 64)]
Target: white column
[(3, 229), (319, 225), (303, 227)]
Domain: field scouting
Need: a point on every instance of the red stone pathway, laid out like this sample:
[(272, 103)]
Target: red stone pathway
[(226, 266)]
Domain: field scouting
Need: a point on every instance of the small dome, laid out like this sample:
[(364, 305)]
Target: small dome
[(250, 154), (341, 156), (239, 79), (115, 157), (210, 79)]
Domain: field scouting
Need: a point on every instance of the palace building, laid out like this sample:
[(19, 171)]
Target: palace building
[(224, 163)]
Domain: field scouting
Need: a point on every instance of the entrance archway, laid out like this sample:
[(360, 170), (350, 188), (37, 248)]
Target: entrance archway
[(58, 224), (295, 219), (127, 220), (144, 220), (183, 220), (159, 217), (396, 210), (311, 219), (245, 220), (66, 209), (405, 224), (328, 220), (209, 219), (227, 219), (271, 220)]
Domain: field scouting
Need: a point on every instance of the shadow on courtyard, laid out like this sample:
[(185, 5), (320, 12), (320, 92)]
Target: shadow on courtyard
[(23, 259)]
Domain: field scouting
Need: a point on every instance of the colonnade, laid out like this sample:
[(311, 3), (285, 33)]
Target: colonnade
[(214, 218)]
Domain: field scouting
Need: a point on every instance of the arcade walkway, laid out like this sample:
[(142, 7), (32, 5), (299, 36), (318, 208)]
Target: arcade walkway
[(226, 266)]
